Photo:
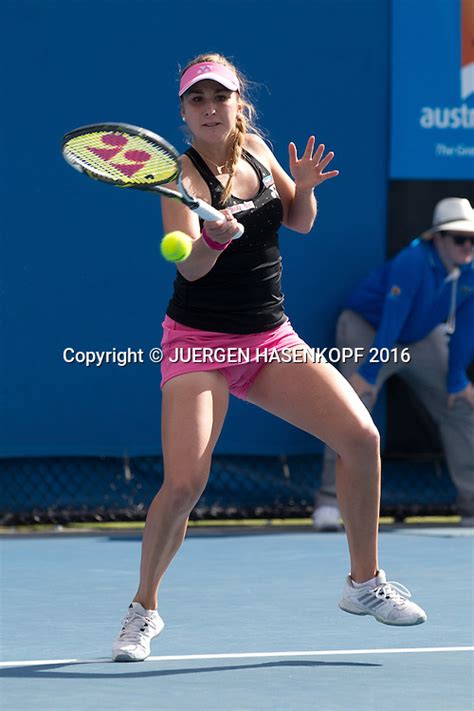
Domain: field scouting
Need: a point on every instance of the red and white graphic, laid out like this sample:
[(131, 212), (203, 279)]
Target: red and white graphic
[(467, 48)]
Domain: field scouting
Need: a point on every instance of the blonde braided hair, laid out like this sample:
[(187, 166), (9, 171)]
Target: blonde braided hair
[(245, 118)]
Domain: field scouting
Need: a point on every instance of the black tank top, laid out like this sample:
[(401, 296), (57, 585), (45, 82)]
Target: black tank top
[(242, 291)]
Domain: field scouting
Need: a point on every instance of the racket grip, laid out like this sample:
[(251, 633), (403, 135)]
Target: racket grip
[(240, 232), (207, 212)]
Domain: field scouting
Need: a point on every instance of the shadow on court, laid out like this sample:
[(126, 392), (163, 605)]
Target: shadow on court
[(47, 671)]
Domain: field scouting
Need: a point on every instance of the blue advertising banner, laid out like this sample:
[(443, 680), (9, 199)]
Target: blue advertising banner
[(432, 111)]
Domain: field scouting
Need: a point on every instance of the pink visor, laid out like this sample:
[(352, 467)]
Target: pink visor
[(208, 70)]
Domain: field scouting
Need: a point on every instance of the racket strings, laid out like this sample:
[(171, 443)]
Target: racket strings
[(124, 159)]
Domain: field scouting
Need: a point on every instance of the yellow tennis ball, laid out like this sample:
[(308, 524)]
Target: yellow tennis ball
[(176, 246)]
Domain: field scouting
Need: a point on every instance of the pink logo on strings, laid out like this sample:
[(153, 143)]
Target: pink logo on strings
[(117, 143), (110, 139)]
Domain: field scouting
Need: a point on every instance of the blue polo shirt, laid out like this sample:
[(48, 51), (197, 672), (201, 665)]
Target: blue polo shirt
[(407, 297)]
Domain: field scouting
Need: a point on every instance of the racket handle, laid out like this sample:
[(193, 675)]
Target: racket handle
[(207, 212)]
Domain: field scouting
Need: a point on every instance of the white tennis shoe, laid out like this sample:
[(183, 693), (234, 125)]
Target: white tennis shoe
[(387, 601), (139, 627)]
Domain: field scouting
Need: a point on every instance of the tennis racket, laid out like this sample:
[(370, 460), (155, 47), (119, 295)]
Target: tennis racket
[(132, 157)]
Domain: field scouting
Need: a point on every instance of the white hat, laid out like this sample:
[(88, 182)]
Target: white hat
[(453, 215)]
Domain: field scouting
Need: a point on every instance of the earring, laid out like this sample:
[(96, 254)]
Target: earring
[(183, 118)]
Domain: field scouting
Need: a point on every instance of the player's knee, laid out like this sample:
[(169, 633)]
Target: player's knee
[(183, 495), (363, 444), (369, 441), (372, 439)]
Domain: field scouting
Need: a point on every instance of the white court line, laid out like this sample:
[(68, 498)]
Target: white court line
[(247, 655)]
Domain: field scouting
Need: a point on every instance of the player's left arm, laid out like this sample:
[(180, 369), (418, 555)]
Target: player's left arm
[(296, 192)]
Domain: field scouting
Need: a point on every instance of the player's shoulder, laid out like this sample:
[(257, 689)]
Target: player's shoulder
[(256, 145), (192, 179), (187, 166), (253, 140)]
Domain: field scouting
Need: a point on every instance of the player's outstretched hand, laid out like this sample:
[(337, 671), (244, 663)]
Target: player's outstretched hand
[(308, 171)]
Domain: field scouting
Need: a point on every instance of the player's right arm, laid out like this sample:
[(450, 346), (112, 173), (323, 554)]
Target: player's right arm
[(177, 216)]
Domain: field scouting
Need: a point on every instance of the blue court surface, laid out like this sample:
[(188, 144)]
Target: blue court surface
[(252, 623)]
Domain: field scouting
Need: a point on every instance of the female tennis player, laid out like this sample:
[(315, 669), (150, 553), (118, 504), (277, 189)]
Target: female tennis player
[(227, 296)]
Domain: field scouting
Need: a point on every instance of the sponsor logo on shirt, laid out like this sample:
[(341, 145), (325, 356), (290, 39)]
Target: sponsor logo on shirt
[(241, 207)]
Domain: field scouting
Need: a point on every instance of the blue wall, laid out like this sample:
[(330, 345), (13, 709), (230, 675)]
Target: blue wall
[(81, 265)]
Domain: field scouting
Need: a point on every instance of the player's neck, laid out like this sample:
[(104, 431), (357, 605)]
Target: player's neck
[(216, 156)]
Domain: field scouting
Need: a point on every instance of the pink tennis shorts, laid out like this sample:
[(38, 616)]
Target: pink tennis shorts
[(239, 357)]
